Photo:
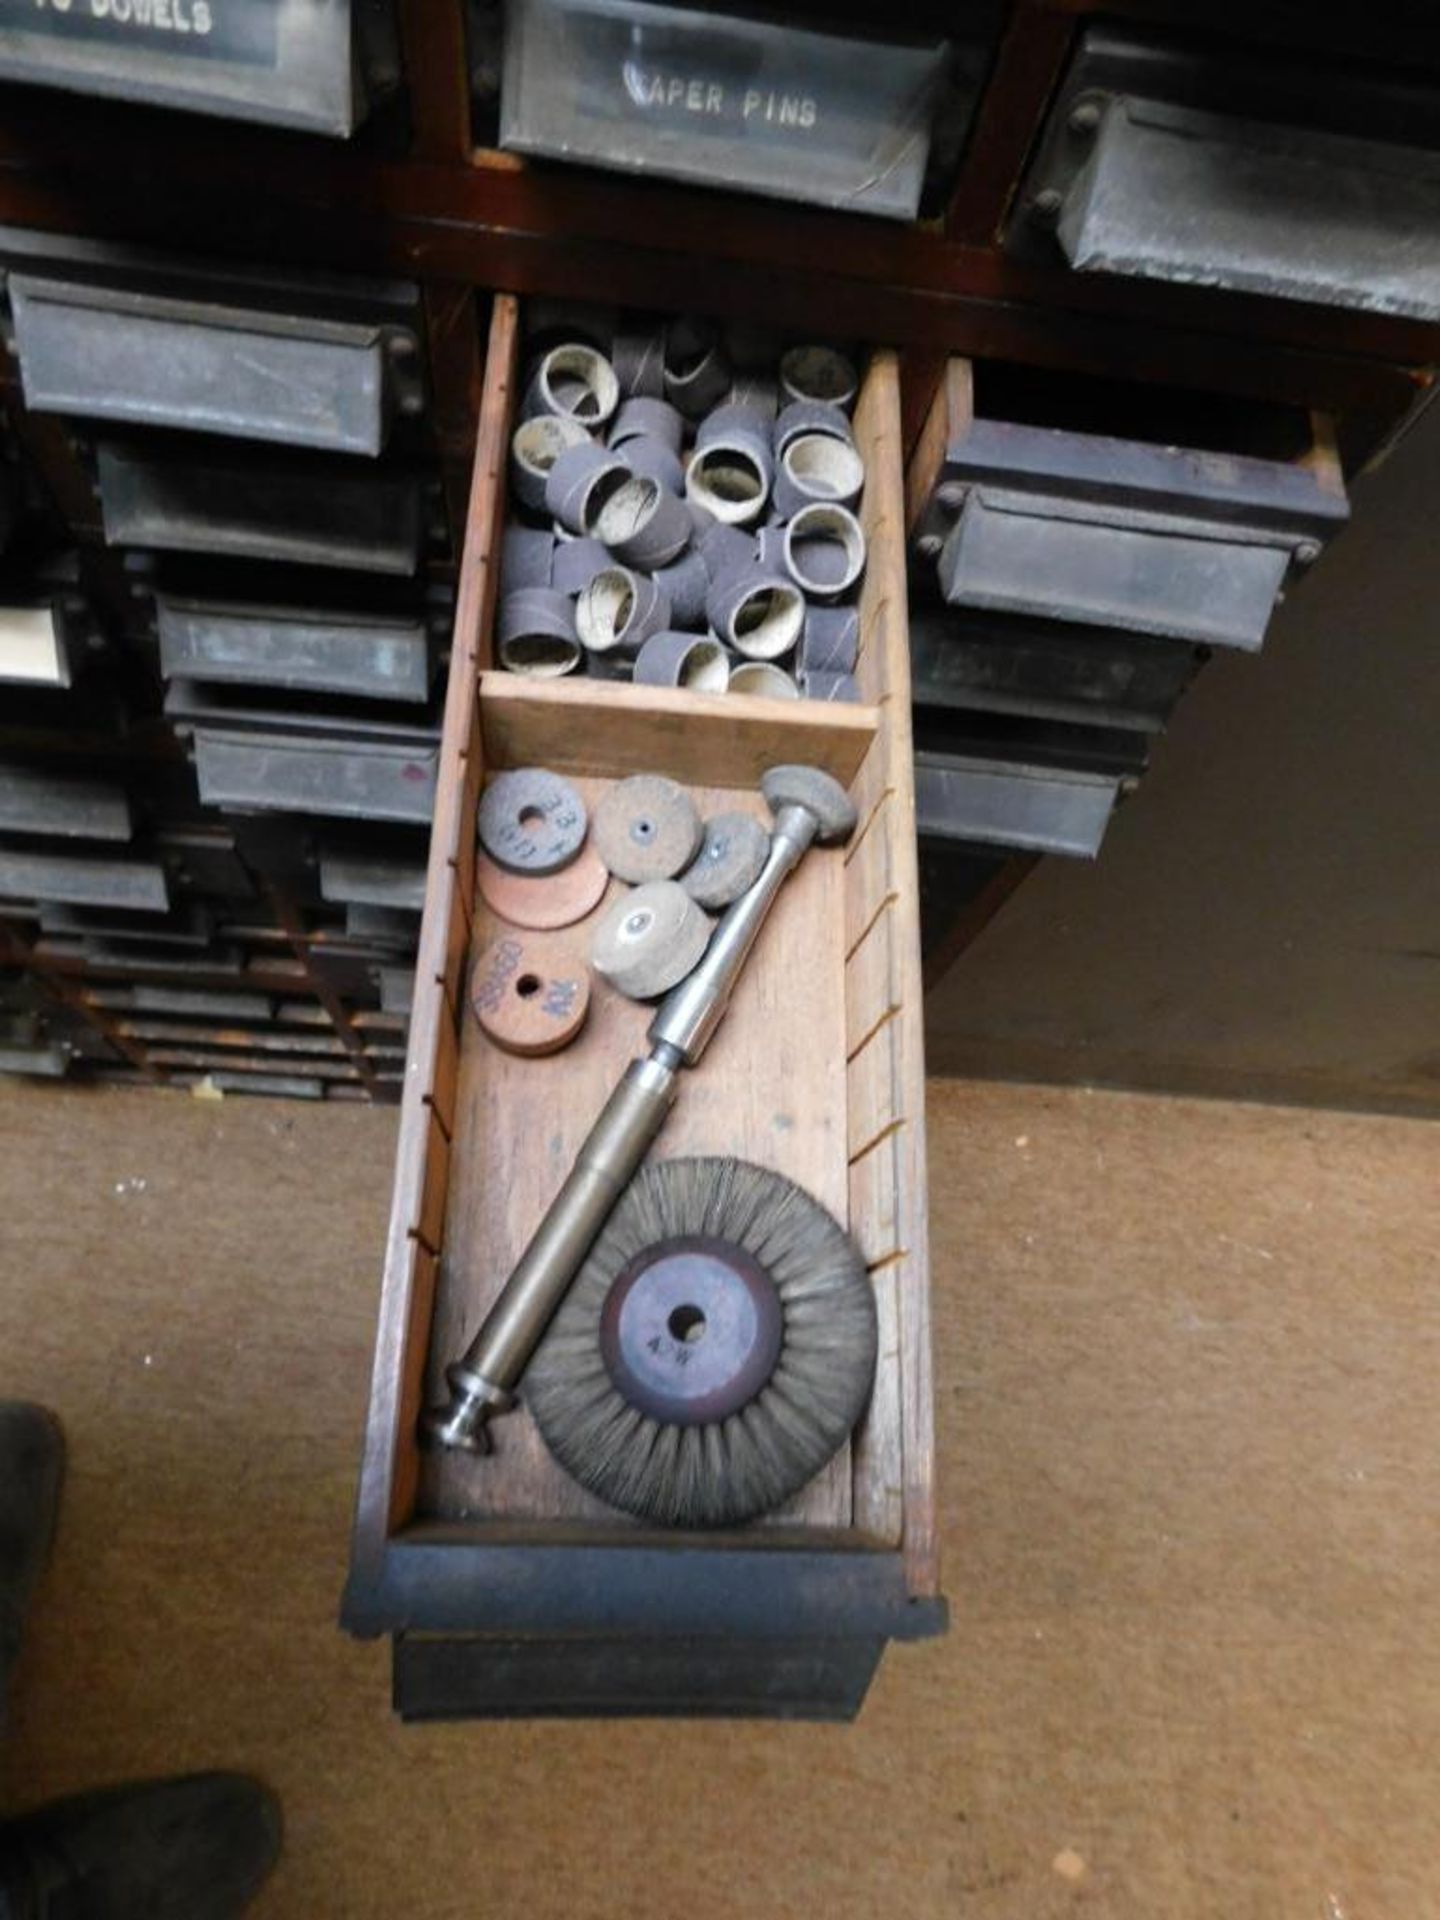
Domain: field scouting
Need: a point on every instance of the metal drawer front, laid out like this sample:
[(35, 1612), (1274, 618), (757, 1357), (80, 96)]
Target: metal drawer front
[(153, 361), (721, 99), (45, 803), (1009, 553), (369, 522), (1002, 804), (311, 651), (133, 885), (355, 880), (293, 774), (34, 650), (289, 62), (1287, 173), (1047, 671), (1172, 194)]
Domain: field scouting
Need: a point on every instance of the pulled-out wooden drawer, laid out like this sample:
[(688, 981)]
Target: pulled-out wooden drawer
[(817, 1072)]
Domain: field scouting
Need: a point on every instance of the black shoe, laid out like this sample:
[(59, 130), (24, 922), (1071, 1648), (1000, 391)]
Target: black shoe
[(197, 1848), (32, 1460)]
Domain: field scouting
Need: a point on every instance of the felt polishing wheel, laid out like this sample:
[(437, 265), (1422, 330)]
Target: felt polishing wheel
[(730, 858), (717, 1346), (544, 901), (530, 993), (649, 939), (531, 821), (647, 828)]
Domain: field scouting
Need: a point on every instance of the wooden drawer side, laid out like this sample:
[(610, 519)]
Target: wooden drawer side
[(389, 1474), (886, 1066)]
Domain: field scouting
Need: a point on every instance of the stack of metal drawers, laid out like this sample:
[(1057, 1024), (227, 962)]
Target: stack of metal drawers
[(1065, 588), (232, 890)]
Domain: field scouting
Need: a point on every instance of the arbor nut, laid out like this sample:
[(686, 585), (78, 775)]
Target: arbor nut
[(817, 466), (530, 993), (693, 661), (818, 373), (531, 821), (825, 550), (647, 828), (642, 524), (575, 382), (580, 482), (735, 848), (649, 940), (757, 611), (619, 610), (535, 633), (535, 446)]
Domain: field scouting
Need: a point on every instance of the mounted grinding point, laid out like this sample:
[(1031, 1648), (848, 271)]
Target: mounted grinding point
[(730, 858), (543, 901), (716, 1349), (649, 940), (818, 793), (647, 828), (531, 821), (530, 993)]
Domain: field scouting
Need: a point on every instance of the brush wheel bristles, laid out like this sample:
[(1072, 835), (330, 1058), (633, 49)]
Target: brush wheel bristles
[(752, 1462)]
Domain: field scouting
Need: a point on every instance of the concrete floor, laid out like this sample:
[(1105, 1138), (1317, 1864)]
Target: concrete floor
[(1187, 1357)]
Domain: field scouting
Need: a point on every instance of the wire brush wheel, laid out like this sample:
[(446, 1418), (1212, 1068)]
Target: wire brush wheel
[(716, 1348)]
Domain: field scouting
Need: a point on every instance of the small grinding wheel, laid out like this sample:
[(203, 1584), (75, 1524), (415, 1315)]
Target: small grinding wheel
[(544, 901), (730, 858), (647, 828), (808, 787), (531, 821), (649, 940), (530, 994), (716, 1349)]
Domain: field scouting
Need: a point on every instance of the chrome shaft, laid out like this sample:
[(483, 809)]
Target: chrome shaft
[(482, 1383)]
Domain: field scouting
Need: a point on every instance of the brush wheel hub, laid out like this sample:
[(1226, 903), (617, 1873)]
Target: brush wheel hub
[(691, 1330)]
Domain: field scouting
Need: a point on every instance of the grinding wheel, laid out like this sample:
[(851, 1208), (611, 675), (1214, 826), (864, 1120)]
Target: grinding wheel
[(531, 821), (530, 993), (543, 901), (647, 828), (649, 940), (730, 858), (717, 1347)]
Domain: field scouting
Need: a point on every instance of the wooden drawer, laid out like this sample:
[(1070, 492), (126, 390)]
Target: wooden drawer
[(817, 1071)]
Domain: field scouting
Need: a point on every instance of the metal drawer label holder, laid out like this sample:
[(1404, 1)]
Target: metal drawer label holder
[(206, 367), (1080, 527), (722, 99)]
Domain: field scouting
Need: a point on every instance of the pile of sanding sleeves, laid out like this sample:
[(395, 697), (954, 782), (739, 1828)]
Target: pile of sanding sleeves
[(684, 513)]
